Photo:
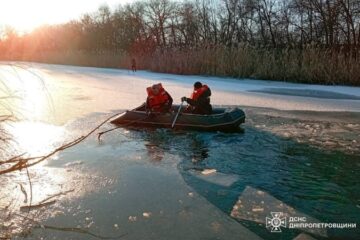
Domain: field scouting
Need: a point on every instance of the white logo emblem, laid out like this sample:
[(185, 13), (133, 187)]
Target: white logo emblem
[(276, 221)]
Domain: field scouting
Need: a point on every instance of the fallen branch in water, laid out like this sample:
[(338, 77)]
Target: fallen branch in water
[(22, 163), (56, 195), (78, 230), (30, 186), (13, 159), (68, 229), (124, 125), (24, 192), (46, 201), (31, 207), (101, 133)]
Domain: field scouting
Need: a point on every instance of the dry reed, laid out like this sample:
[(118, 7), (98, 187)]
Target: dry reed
[(308, 65)]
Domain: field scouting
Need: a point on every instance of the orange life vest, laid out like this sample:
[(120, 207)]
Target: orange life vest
[(197, 93), (156, 101)]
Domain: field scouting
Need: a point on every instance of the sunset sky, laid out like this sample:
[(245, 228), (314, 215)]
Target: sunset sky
[(25, 15)]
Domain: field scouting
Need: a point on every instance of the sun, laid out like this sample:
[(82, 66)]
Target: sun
[(25, 15)]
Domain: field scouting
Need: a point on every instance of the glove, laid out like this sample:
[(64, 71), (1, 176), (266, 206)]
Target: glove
[(183, 99)]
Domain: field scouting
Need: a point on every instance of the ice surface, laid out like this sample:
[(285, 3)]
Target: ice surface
[(77, 91), (308, 93), (256, 205), (149, 203), (215, 177), (303, 236)]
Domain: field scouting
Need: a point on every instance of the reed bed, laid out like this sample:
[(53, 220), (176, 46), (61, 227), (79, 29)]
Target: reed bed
[(308, 65)]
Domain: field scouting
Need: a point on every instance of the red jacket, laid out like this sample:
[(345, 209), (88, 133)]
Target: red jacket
[(156, 102), (198, 92)]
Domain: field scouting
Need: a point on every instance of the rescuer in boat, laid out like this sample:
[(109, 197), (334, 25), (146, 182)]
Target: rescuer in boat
[(158, 100), (200, 100)]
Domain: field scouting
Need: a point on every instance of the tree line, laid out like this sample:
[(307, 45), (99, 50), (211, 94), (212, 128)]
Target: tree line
[(158, 27)]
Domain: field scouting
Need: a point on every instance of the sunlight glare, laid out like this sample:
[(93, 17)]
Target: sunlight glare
[(24, 16), (30, 98), (36, 138)]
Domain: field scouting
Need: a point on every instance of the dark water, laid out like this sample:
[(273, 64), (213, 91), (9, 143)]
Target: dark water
[(136, 171), (308, 93), (323, 185)]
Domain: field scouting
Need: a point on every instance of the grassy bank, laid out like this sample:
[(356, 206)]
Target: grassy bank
[(305, 66)]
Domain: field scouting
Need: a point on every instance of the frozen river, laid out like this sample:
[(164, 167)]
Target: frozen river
[(298, 155)]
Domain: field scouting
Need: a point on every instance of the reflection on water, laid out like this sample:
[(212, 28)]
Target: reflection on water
[(19, 190), (30, 139), (322, 185), (26, 92), (158, 141), (35, 138), (200, 150), (155, 153)]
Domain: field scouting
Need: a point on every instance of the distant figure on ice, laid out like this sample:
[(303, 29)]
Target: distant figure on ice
[(133, 65), (158, 99), (200, 100)]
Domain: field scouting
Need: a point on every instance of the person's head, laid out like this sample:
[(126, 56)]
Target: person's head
[(197, 85), (155, 89)]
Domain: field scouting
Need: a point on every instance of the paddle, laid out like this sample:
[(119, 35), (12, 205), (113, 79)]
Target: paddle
[(177, 114)]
